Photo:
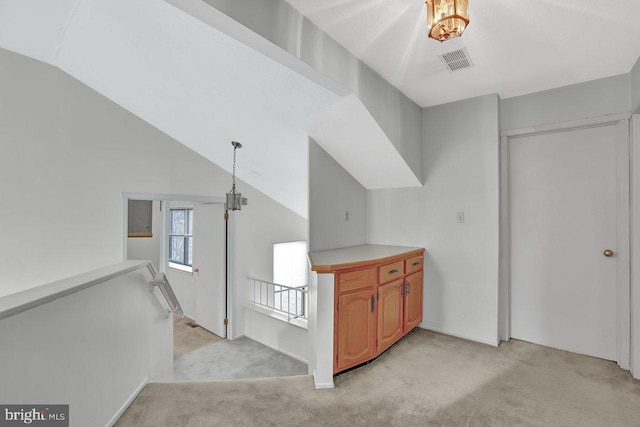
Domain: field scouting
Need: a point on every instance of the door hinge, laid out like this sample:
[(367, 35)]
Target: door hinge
[(226, 321), (226, 216), (378, 295), (338, 307), (337, 358), (376, 343)]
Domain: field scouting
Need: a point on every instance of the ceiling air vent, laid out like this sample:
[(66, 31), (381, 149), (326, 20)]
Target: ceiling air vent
[(456, 60)]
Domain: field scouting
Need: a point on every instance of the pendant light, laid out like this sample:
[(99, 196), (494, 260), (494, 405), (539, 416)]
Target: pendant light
[(234, 199), (447, 19)]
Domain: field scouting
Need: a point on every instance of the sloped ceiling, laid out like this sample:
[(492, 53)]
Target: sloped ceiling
[(200, 85), (204, 87), (184, 77), (341, 127)]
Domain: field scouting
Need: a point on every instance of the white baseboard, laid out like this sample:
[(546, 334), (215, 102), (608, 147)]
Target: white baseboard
[(238, 336), (441, 331), (126, 404), (321, 386), (190, 317)]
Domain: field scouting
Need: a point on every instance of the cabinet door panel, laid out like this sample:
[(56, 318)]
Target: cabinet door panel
[(356, 333), (389, 314), (413, 301)]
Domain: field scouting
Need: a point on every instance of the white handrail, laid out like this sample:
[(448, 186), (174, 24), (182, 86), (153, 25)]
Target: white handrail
[(160, 280), (19, 302), (98, 336)]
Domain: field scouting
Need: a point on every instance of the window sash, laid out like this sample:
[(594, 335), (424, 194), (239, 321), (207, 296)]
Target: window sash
[(180, 236)]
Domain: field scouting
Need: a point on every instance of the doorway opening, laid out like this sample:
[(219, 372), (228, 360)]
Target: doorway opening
[(195, 248), (187, 242)]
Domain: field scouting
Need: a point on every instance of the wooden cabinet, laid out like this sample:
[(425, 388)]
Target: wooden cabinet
[(412, 301), (375, 306), (414, 264), (358, 279), (390, 320), (387, 272), (356, 328)]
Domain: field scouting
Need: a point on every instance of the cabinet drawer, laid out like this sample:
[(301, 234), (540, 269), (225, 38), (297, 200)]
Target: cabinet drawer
[(356, 279), (391, 271), (414, 264)]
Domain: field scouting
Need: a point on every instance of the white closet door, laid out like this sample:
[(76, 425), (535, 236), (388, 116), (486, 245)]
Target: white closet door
[(563, 195)]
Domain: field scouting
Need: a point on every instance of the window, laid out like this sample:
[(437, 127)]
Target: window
[(290, 265), (291, 269), (181, 238)]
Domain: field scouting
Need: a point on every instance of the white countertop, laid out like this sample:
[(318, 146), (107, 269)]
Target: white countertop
[(323, 261)]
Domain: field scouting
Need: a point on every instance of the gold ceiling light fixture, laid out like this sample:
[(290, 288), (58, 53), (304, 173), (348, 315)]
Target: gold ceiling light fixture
[(447, 19)]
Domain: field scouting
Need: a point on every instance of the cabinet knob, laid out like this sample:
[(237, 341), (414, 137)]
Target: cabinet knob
[(608, 253), (408, 288), (394, 271), (416, 263)]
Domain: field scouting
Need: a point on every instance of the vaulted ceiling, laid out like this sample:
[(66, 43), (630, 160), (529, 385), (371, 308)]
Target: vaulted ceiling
[(186, 78), (206, 79)]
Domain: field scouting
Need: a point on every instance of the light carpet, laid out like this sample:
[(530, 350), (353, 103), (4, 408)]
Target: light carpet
[(426, 379), (237, 359), (187, 339)]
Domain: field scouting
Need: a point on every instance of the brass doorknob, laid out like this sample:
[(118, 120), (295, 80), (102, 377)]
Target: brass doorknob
[(608, 253)]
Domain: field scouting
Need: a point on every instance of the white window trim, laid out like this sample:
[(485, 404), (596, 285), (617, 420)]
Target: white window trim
[(174, 265), (180, 267)]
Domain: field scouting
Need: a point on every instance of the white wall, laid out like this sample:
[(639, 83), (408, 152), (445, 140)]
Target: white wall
[(333, 193), (635, 87), (254, 251), (461, 161), (68, 154), (321, 322), (590, 99), (278, 334), (93, 349), (148, 247), (635, 244)]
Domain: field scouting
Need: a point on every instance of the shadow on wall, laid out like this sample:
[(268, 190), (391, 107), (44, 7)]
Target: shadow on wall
[(433, 293)]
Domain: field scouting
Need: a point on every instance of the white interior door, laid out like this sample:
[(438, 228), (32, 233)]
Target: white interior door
[(208, 263), (564, 214)]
